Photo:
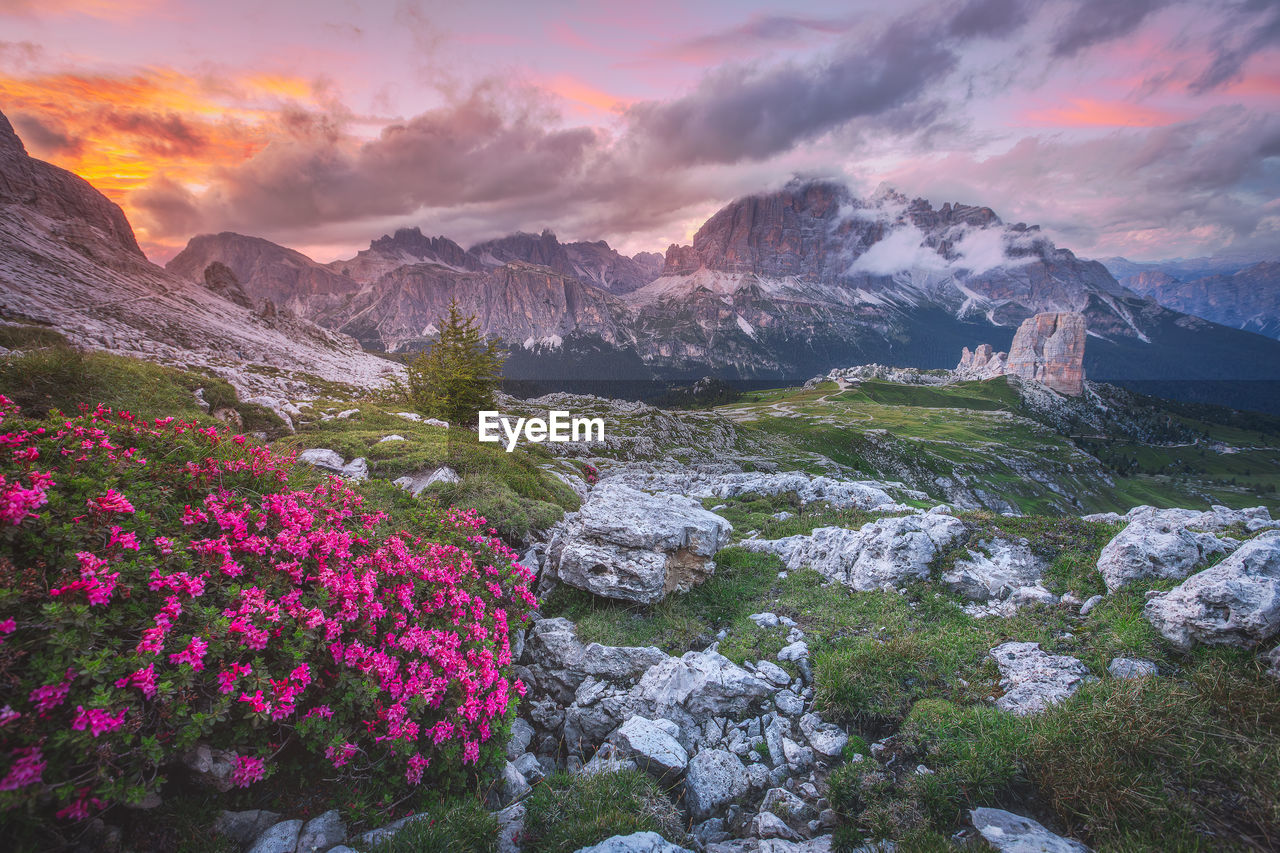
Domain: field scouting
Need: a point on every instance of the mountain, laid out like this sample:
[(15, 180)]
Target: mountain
[(1186, 269), (69, 261), (777, 285), (1247, 299)]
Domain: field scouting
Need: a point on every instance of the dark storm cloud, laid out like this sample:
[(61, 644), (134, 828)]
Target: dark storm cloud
[(475, 151), (1092, 22), (763, 30), (1235, 45), (988, 18), (749, 113), (45, 136)]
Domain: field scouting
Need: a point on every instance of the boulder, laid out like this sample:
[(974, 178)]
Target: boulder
[(633, 546), (1235, 603), (1011, 833), (322, 458), (357, 469), (1132, 668), (699, 686), (416, 484), (244, 827), (882, 554), (1157, 544), (714, 779), (827, 739), (652, 748), (995, 569), (561, 663), (211, 767), (1033, 679), (521, 737), (322, 832), (281, 838), (511, 827), (637, 842), (387, 438)]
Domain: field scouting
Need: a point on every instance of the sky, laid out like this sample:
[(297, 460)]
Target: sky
[(1141, 128)]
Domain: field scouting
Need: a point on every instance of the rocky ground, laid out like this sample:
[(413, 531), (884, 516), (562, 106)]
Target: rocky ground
[(746, 746)]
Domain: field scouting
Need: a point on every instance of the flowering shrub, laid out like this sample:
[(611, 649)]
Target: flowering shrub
[(161, 585)]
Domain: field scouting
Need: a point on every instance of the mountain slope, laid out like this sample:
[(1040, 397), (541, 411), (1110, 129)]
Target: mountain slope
[(1247, 299), (69, 260)]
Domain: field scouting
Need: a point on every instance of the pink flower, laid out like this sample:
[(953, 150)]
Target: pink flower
[(8, 715), (98, 722), (144, 679), (193, 654), (124, 540), (79, 810), (111, 502), (51, 696), (27, 769), (247, 771)]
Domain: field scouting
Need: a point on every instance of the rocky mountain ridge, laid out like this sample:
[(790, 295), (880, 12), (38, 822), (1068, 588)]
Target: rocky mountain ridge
[(1247, 299), (782, 285), (69, 261)]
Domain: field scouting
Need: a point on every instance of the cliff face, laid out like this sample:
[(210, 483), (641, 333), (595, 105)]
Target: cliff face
[(1049, 349), (982, 363), (69, 260), (58, 194)]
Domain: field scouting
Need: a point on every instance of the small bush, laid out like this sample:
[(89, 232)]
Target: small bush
[(567, 813), (161, 585), (461, 825)]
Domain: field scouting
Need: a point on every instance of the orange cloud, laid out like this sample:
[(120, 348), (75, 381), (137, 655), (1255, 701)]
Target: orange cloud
[(123, 132), (1088, 112), (587, 97), (103, 9)]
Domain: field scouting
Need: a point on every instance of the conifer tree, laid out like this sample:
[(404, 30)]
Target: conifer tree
[(457, 376)]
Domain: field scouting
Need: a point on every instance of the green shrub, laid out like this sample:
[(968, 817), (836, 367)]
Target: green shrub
[(569, 812)]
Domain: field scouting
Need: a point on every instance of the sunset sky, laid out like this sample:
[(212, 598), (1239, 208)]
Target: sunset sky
[(1134, 127)]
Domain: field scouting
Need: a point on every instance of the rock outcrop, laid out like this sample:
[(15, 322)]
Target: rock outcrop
[(1033, 679), (634, 546), (881, 554), (1049, 349), (1159, 543), (981, 363), (1011, 833), (1235, 603)]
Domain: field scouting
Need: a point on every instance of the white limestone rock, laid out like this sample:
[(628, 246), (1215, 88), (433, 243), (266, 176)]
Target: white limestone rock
[(1033, 679), (629, 545), (1235, 603)]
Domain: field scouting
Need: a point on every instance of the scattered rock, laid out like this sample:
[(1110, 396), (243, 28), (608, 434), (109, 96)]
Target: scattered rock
[(768, 825), (827, 739), (244, 827), (882, 554), (416, 484), (630, 545), (652, 748), (995, 569), (1157, 543), (277, 406), (348, 413), (1033, 680), (323, 458), (638, 842), (521, 737), (281, 838), (387, 438), (715, 777), (511, 827), (794, 651), (1132, 668), (1011, 833), (1235, 603), (1092, 602), (212, 767), (357, 469), (789, 703)]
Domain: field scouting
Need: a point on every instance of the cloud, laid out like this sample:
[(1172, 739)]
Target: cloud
[(760, 31), (899, 250), (1237, 42), (1198, 185), (1094, 22), (750, 112)]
